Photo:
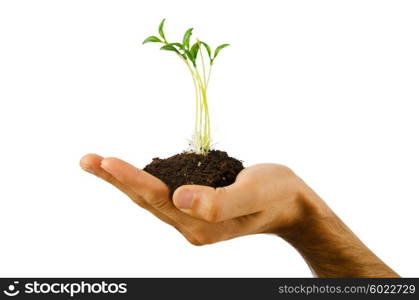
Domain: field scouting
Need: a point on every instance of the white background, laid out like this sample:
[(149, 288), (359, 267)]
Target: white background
[(329, 88)]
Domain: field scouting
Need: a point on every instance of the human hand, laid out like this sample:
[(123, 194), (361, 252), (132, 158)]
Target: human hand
[(266, 198)]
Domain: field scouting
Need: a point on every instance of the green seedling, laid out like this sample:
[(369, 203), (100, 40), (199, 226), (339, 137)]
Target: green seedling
[(200, 70)]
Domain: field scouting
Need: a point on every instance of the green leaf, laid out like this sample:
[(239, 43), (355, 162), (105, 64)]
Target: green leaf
[(152, 39), (194, 50), (187, 37), (177, 45), (208, 49), (161, 32), (217, 50), (169, 48), (191, 57)]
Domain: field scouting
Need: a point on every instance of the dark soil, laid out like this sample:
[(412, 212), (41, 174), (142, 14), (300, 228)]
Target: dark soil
[(215, 169)]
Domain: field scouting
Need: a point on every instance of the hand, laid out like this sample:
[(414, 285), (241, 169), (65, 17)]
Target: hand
[(266, 198)]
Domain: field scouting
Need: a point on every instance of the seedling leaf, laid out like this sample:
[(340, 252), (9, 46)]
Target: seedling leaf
[(179, 45), (217, 50), (187, 37), (152, 39), (161, 31), (194, 50), (169, 48), (208, 49), (190, 56)]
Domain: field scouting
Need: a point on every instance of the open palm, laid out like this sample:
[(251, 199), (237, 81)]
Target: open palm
[(261, 200)]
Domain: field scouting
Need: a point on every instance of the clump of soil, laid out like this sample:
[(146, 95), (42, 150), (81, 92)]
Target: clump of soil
[(215, 169)]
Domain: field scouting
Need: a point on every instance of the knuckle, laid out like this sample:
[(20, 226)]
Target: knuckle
[(202, 237), (191, 238), (280, 170), (285, 170), (160, 203), (195, 242), (139, 201)]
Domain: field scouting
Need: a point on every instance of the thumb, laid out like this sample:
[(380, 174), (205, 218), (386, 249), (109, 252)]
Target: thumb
[(216, 204)]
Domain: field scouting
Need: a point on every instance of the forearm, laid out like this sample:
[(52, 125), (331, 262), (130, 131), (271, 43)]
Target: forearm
[(329, 247)]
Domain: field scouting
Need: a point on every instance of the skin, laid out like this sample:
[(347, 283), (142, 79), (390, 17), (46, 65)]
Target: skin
[(266, 198)]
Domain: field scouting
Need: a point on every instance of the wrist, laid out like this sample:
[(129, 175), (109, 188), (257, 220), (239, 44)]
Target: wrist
[(312, 214), (329, 247)]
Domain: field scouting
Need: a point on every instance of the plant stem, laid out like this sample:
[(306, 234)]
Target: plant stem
[(209, 75), (204, 130), (202, 136), (207, 129), (203, 65)]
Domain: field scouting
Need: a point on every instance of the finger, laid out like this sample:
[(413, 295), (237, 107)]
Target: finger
[(92, 164), (152, 189), (216, 204)]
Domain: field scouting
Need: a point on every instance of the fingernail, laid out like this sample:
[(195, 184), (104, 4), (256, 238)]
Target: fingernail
[(104, 165), (184, 199)]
